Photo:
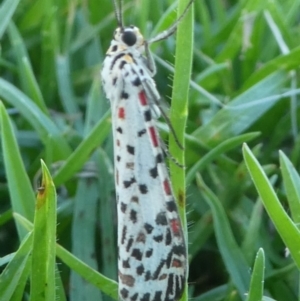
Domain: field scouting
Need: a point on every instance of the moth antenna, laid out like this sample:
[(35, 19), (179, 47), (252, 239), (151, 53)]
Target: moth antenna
[(168, 32), (118, 8)]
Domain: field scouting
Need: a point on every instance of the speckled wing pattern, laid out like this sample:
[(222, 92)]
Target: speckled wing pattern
[(152, 253)]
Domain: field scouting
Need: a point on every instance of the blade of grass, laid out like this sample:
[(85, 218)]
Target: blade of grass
[(106, 285), (284, 225), (20, 189), (179, 108), (26, 74), (7, 10), (291, 181), (83, 151), (257, 278), (42, 124), (232, 255), (15, 274), (42, 285), (83, 238), (220, 149)]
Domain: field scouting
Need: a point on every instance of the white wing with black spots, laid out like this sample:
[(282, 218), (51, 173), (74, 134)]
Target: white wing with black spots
[(152, 253)]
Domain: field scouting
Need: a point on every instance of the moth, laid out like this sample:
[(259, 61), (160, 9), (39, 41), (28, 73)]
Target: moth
[(152, 259)]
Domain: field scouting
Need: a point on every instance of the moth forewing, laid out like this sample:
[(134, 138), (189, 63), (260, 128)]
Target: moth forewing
[(152, 260)]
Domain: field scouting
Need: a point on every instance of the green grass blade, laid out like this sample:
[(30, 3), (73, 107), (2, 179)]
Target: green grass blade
[(232, 255), (7, 10), (15, 274), (291, 181), (284, 225), (106, 285), (42, 124), (83, 237), (26, 73), (179, 108), (220, 149), (44, 239), (83, 151), (257, 278), (243, 111), (20, 189)]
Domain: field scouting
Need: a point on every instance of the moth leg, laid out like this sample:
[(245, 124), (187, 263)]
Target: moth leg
[(149, 60), (154, 97)]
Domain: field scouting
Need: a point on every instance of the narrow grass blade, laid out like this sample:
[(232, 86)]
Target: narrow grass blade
[(220, 149), (26, 73), (107, 286), (20, 189), (7, 10), (42, 124), (232, 255), (291, 181), (44, 239), (284, 225), (179, 108), (83, 238), (15, 274), (243, 111), (83, 151), (257, 278)]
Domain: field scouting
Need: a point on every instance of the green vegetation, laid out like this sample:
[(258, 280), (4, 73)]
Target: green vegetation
[(240, 191)]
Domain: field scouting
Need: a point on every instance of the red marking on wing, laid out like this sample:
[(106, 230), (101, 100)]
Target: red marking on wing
[(175, 226), (118, 142), (167, 187), (153, 136), (143, 98), (121, 113), (176, 263)]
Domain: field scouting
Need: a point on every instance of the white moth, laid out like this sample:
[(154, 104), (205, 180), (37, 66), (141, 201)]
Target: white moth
[(152, 260)]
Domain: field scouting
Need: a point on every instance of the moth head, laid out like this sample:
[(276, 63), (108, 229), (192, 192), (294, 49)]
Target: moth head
[(129, 37)]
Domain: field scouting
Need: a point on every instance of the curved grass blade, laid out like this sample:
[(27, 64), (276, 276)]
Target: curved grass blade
[(232, 255), (15, 274), (222, 148), (20, 189), (284, 225)]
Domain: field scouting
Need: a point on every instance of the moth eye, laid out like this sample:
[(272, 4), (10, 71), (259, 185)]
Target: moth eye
[(129, 38)]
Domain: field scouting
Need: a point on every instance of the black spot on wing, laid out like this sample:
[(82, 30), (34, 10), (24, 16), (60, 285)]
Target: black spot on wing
[(142, 132), (137, 254), (143, 188), (136, 82), (147, 115), (161, 219), (130, 149), (153, 172), (146, 297)]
